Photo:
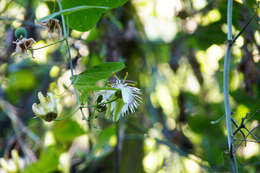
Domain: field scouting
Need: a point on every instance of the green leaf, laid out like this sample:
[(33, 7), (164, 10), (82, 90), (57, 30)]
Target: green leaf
[(93, 35), (88, 88), (48, 162), (69, 11), (86, 81), (86, 19), (99, 72), (67, 130), (85, 89), (52, 5)]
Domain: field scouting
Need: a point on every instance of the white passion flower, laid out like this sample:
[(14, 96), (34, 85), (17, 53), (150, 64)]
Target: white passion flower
[(120, 102), (47, 108)]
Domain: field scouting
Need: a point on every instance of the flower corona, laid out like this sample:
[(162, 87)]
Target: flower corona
[(124, 100)]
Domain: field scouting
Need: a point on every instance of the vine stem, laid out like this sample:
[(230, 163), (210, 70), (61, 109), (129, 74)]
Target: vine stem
[(19, 127), (226, 89), (54, 43), (70, 62), (99, 104)]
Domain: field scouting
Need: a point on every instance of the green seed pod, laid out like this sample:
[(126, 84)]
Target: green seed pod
[(20, 33)]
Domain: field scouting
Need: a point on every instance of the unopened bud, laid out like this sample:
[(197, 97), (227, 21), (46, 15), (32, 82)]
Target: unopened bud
[(20, 33)]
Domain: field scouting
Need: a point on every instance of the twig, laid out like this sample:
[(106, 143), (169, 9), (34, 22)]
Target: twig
[(18, 126), (252, 116), (11, 111), (244, 28), (246, 140), (250, 133), (239, 128), (226, 89)]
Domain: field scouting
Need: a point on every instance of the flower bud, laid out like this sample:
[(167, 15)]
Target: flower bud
[(20, 33), (99, 99)]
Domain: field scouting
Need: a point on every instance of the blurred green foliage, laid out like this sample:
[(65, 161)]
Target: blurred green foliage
[(173, 49)]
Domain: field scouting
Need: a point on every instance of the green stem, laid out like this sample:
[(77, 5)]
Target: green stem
[(226, 95), (67, 116), (226, 88), (93, 106), (48, 45), (70, 62)]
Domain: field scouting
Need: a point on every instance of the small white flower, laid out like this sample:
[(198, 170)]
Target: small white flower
[(126, 99), (47, 108)]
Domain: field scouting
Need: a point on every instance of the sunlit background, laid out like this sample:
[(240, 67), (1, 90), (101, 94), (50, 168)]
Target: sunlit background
[(174, 49)]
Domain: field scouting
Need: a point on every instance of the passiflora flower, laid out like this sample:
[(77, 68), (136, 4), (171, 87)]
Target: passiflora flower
[(123, 101), (47, 108)]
